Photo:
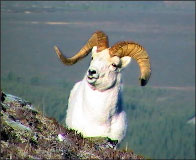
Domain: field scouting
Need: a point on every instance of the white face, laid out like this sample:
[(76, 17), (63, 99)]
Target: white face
[(104, 70)]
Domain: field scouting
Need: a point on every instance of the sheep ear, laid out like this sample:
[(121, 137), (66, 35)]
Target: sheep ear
[(94, 50), (125, 61)]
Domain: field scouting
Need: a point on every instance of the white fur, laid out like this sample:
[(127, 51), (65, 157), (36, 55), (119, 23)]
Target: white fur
[(94, 107)]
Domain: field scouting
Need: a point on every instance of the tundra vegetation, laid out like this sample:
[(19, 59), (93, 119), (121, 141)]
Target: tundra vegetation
[(27, 134)]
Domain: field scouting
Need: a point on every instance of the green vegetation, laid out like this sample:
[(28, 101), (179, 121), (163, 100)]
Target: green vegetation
[(158, 122), (157, 118)]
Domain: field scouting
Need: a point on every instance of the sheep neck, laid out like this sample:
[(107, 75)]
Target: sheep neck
[(102, 104)]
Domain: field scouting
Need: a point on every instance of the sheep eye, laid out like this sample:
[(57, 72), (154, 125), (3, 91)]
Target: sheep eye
[(91, 58), (114, 65)]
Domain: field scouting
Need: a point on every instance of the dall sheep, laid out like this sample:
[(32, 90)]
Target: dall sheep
[(95, 103)]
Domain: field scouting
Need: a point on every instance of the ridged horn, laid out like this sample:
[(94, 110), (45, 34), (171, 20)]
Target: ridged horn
[(137, 52), (98, 38)]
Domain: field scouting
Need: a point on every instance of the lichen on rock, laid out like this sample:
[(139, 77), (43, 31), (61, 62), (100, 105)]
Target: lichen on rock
[(27, 134)]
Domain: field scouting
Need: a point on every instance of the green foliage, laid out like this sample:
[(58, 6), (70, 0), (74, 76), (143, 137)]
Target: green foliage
[(34, 81), (10, 76), (157, 122)]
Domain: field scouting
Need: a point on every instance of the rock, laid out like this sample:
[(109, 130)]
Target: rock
[(2, 96)]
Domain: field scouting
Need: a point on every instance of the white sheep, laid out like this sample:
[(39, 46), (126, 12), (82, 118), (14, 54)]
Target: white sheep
[(95, 103)]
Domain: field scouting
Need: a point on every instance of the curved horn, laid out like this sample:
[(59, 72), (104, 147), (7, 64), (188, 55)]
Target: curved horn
[(136, 51), (99, 39)]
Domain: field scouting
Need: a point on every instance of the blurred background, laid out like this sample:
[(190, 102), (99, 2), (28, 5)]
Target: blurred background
[(161, 115)]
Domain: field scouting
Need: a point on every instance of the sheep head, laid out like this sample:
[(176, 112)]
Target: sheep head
[(104, 69), (108, 62)]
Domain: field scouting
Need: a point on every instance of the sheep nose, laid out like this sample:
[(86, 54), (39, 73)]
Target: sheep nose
[(91, 72)]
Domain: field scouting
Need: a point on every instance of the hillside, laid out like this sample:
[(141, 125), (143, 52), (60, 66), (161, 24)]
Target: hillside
[(27, 134)]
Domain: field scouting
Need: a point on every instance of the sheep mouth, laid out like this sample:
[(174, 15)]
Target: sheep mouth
[(91, 79)]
